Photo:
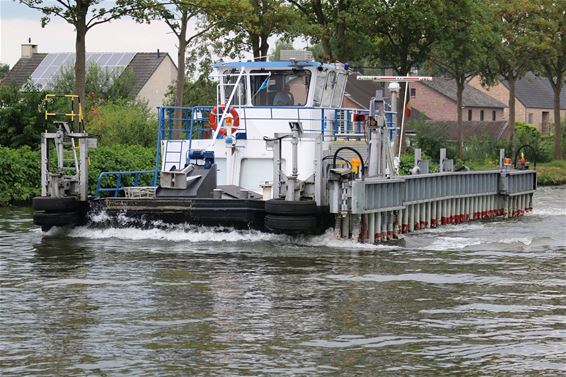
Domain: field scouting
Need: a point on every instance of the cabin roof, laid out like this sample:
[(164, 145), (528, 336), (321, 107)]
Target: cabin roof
[(277, 64)]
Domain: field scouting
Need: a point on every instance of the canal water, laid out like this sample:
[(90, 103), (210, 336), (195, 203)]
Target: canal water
[(485, 298)]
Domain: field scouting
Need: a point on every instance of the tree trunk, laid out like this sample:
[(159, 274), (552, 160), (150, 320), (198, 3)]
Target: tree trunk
[(180, 82), (557, 131), (459, 101), (511, 110), (325, 41), (263, 48), (80, 55)]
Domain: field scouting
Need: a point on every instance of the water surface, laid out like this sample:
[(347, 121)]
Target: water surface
[(486, 298)]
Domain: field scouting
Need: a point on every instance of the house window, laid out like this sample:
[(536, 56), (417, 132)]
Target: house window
[(494, 115), (413, 92), (469, 115), (530, 118), (481, 115)]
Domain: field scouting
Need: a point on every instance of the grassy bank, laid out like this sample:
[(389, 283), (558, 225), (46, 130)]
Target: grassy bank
[(551, 173)]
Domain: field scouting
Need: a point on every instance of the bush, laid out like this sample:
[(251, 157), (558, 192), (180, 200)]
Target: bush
[(21, 120), (430, 137), (20, 179), (123, 122), (528, 135)]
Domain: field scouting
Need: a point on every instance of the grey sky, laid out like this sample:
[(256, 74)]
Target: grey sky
[(18, 23)]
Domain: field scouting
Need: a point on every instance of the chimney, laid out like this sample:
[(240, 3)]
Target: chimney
[(28, 49)]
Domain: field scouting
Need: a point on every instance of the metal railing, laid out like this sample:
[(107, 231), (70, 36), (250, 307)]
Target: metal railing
[(119, 187)]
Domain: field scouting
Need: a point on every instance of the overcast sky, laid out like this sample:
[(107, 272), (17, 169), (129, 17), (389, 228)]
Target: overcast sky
[(18, 23)]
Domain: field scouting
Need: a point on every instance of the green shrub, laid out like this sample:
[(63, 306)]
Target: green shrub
[(123, 122), (21, 118), (431, 137), (20, 178)]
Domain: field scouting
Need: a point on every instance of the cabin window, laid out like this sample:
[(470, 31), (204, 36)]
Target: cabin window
[(280, 87), (494, 115), (229, 80), (531, 118), (413, 92), (481, 115), (470, 115), (329, 89), (319, 89), (339, 90)]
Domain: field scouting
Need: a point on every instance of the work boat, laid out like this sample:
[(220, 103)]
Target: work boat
[(279, 153)]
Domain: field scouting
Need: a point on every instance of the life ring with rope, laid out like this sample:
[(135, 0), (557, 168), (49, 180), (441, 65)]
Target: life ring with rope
[(232, 119)]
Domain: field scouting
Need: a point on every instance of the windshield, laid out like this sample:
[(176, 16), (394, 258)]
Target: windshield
[(280, 87)]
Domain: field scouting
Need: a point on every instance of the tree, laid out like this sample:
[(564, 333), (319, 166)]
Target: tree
[(462, 50), (340, 26), (4, 69), (404, 32), (177, 14), (512, 56), (548, 39), (84, 15), (21, 118), (250, 24), (101, 85)]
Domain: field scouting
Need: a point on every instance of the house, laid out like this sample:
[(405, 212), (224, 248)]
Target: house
[(534, 100), (153, 72), (437, 100), (359, 93)]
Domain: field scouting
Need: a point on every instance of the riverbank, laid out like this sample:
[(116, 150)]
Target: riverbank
[(551, 173)]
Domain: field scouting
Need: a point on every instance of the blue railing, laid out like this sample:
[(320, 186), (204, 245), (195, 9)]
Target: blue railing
[(119, 186)]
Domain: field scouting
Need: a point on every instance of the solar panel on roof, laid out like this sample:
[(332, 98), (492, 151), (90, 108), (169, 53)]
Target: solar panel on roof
[(52, 64)]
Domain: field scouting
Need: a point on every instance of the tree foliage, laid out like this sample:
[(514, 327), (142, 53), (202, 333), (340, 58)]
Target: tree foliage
[(340, 26), (511, 58), (21, 120), (462, 50), (101, 84), (548, 40)]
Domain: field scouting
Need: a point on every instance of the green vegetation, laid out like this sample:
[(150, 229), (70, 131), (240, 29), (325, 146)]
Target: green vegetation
[(123, 122), (20, 179), (21, 117), (551, 173), (482, 151)]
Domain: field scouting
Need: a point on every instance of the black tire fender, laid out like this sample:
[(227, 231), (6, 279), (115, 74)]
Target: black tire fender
[(48, 219), (290, 224), (290, 208), (48, 203)]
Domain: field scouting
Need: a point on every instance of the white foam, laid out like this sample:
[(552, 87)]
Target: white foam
[(174, 233), (202, 234), (451, 243)]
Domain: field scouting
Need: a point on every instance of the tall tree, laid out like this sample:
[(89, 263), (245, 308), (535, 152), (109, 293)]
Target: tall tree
[(512, 56), (460, 53), (252, 23), (404, 31), (178, 14), (340, 26), (548, 39), (84, 15)]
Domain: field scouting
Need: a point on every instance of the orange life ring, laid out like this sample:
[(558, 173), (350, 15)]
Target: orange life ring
[(235, 119)]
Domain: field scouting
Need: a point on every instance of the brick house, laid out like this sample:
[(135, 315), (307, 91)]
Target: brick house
[(153, 72), (534, 100), (437, 100)]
